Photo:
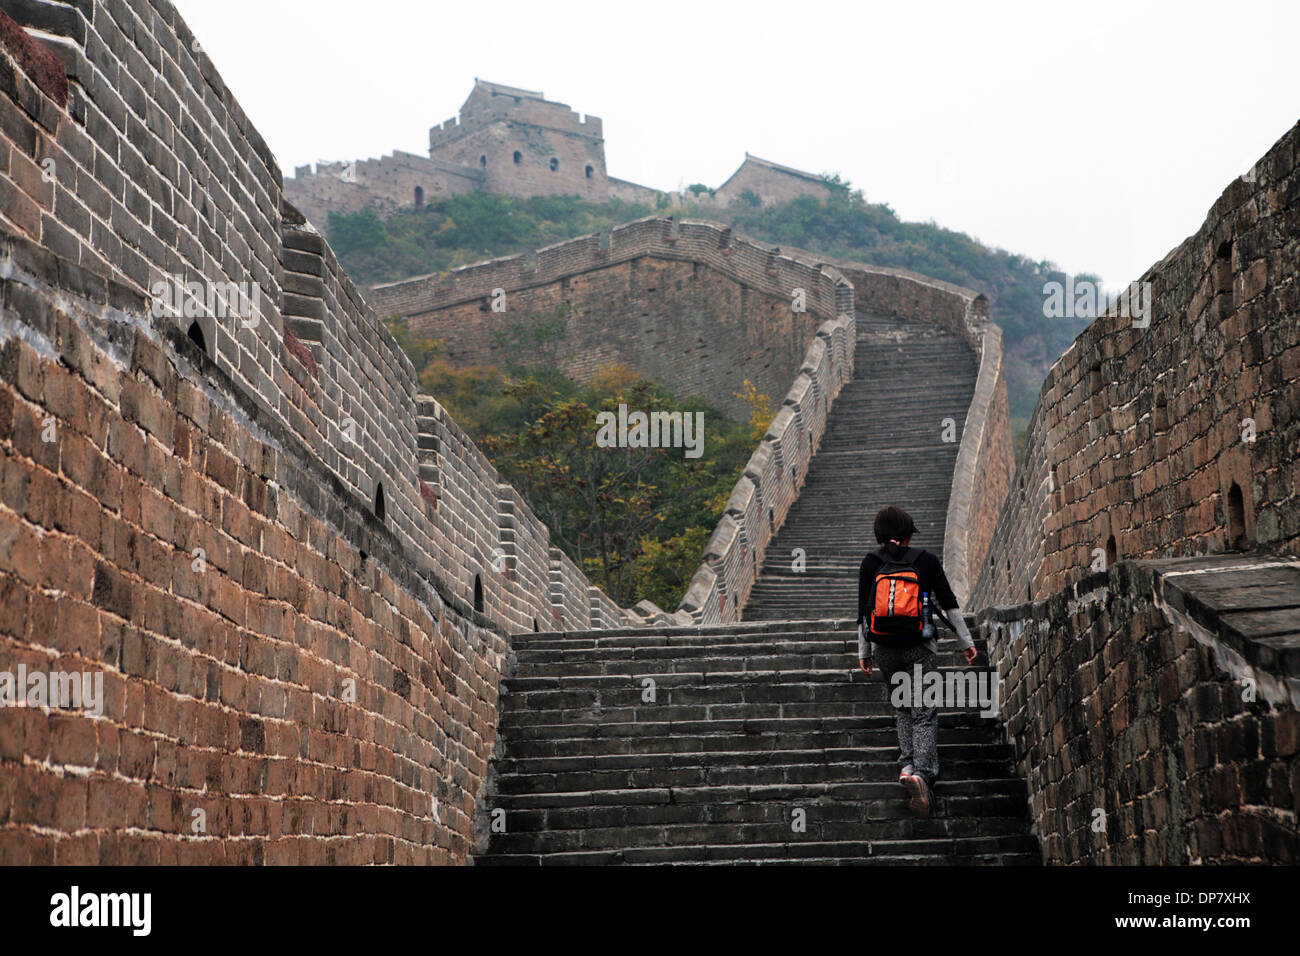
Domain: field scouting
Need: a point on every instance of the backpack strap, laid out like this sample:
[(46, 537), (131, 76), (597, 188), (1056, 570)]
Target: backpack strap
[(939, 612)]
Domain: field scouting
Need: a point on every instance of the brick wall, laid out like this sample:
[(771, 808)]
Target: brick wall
[(202, 525), (771, 183), (385, 185), (682, 302), (772, 478), (1127, 705), (1140, 434)]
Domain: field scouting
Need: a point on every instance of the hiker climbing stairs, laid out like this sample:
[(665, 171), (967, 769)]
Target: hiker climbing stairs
[(884, 445), (744, 743)]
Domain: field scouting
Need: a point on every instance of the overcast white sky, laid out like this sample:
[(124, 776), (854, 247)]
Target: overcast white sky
[(1093, 134)]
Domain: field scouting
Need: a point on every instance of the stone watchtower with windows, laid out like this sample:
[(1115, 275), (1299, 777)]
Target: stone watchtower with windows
[(524, 144)]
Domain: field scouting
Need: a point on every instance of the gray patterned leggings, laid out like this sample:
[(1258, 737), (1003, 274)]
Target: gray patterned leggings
[(918, 727)]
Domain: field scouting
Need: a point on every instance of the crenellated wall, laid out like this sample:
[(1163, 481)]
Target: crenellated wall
[(385, 184), (772, 479), (1141, 434), (190, 502)]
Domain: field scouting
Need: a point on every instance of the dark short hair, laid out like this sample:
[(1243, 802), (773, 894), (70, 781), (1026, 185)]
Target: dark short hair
[(893, 524)]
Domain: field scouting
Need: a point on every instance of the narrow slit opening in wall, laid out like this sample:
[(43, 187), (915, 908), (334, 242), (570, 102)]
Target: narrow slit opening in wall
[(1094, 378), (380, 508), (519, 157), (478, 594), (1236, 518), (1222, 272), (590, 171), (536, 629), (419, 195), (1112, 551), (482, 160), (195, 335), (555, 164), (1160, 414)]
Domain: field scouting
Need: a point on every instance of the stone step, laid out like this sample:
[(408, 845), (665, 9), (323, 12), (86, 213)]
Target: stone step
[(883, 754), (877, 798), (657, 845), (600, 727), (800, 774), (703, 741)]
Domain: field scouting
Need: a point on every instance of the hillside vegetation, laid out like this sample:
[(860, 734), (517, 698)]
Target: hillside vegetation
[(636, 519)]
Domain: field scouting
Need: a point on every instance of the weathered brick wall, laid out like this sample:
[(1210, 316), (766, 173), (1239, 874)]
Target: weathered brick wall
[(1140, 435), (385, 185), (1133, 726), (771, 183), (169, 540), (682, 302), (202, 525)]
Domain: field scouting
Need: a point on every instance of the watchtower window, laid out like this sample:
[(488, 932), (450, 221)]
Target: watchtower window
[(419, 195), (519, 157), (478, 594), (590, 170), (380, 508), (482, 160), (555, 164)]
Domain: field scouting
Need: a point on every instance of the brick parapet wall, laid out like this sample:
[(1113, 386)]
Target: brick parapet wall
[(1141, 433), (357, 408), (225, 684), (181, 543), (756, 265), (684, 303), (384, 184), (771, 481), (1118, 699)]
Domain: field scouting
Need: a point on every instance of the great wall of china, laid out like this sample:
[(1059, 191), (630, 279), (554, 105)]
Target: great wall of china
[(314, 602)]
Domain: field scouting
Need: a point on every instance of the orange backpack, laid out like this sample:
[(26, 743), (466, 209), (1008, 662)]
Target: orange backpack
[(896, 618)]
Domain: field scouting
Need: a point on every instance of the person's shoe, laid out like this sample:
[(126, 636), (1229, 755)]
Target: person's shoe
[(905, 773), (920, 794)]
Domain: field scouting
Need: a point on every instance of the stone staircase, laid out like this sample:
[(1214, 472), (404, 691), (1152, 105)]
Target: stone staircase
[(883, 445), (762, 742), (747, 725)]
